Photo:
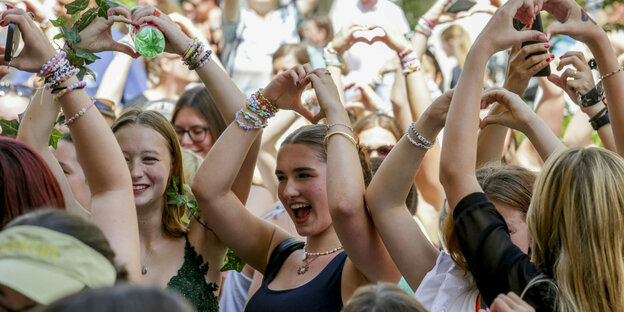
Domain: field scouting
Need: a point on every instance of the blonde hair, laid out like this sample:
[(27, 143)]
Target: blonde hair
[(461, 42), (576, 219), (172, 214), (508, 185), (191, 162), (382, 297)]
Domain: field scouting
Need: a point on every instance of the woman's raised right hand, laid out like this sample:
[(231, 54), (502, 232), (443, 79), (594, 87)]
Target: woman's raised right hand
[(518, 114), (574, 21), (284, 91), (521, 67), (177, 41), (37, 48)]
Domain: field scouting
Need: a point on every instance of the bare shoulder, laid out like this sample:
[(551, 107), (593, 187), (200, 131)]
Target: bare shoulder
[(352, 279)]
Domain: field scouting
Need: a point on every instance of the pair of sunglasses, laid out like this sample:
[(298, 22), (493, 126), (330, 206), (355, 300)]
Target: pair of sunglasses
[(20, 90), (382, 151)]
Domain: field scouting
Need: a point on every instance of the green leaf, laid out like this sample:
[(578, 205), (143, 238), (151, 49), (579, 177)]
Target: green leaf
[(9, 127), (71, 35), (76, 6), (185, 219), (86, 19), (60, 119), (90, 73), (58, 36), (187, 188), (87, 55), (82, 72), (232, 262), (73, 18), (54, 138), (60, 21)]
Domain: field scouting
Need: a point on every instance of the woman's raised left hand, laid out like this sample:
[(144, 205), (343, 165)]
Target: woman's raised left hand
[(285, 90), (37, 48), (98, 37), (176, 41)]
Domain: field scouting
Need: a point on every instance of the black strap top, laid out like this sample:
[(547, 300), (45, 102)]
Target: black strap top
[(323, 293), (190, 282)]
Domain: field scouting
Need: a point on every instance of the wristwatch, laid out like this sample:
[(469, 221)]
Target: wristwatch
[(597, 123), (593, 96)]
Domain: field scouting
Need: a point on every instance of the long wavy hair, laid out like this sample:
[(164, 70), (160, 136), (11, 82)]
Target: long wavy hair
[(172, 214), (576, 220)]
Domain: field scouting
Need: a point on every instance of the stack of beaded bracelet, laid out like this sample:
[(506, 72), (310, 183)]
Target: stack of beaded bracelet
[(191, 49), (256, 113), (424, 143), (205, 59), (424, 26), (410, 62), (62, 91), (78, 114), (57, 70), (195, 55)]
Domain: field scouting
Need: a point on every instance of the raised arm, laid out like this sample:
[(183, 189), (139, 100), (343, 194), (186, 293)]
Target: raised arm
[(459, 149), (35, 130), (577, 23), (248, 236), (112, 201), (345, 188), (520, 69), (579, 87), (231, 11), (385, 196)]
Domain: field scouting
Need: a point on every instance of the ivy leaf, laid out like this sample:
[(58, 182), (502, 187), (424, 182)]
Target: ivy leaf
[(71, 35), (59, 36), (185, 219), (54, 138), (76, 6), (9, 127), (60, 21), (232, 262), (61, 119), (90, 73), (87, 55), (86, 19)]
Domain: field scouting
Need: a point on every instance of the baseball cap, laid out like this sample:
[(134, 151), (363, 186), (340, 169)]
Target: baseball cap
[(45, 265)]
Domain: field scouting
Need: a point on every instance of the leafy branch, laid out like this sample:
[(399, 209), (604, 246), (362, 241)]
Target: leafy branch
[(11, 127), (71, 28)]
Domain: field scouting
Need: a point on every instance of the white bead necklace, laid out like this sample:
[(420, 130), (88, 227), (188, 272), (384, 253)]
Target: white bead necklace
[(304, 268)]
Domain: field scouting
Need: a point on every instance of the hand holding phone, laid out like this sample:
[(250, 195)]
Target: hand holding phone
[(537, 25), (12, 41)]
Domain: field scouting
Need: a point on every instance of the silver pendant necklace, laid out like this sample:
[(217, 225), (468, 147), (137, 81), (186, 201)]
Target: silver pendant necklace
[(306, 266), (147, 255)]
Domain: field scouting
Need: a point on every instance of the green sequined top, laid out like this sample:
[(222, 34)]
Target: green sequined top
[(190, 281)]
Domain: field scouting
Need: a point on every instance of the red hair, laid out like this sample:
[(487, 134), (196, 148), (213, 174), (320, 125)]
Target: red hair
[(26, 182)]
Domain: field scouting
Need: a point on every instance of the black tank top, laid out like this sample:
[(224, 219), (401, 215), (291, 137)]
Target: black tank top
[(323, 293)]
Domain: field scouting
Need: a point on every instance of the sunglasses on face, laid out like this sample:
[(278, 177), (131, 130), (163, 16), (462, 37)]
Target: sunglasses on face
[(382, 151), (20, 90), (196, 133)]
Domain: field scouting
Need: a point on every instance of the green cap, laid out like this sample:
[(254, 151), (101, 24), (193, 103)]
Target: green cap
[(46, 265)]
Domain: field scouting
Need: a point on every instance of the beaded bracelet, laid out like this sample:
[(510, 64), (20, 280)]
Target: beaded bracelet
[(240, 120), (78, 114), (260, 96), (205, 59), (254, 120), (255, 106), (61, 76), (418, 144), (190, 49), (47, 67), (75, 86), (405, 52), (196, 53), (263, 104), (420, 137), (428, 21), (411, 67), (619, 69), (422, 30)]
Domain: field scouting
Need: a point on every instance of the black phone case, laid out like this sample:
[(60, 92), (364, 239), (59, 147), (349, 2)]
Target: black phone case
[(8, 47), (537, 25), (459, 6)]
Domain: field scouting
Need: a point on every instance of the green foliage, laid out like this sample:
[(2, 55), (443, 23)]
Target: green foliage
[(232, 262), (175, 198), (9, 127), (81, 17), (54, 138)]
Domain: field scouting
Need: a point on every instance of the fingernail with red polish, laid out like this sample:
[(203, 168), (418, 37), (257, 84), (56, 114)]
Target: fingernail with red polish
[(552, 56), (547, 46), (548, 60)]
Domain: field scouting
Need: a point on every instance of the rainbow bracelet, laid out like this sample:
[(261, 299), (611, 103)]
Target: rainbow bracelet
[(78, 114), (74, 86)]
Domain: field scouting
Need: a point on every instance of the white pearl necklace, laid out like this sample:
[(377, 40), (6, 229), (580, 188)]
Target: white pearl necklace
[(307, 254)]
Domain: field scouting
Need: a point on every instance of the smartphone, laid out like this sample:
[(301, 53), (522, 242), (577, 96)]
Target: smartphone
[(537, 25), (12, 41), (456, 6)]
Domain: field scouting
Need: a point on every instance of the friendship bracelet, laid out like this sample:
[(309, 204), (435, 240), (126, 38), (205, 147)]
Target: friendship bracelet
[(418, 144), (242, 124), (80, 113), (190, 49), (405, 52), (428, 21), (422, 30), (340, 124), (205, 59), (262, 99), (619, 69), (60, 55), (196, 53), (420, 137), (75, 86)]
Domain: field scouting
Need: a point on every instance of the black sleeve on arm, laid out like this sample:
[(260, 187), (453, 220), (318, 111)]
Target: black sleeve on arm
[(498, 266)]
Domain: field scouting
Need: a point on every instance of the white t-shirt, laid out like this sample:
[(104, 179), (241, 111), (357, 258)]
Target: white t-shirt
[(447, 288), (256, 39)]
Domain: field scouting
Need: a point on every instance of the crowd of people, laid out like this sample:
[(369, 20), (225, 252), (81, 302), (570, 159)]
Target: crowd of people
[(333, 150)]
